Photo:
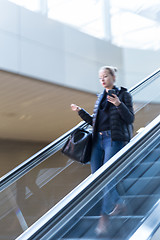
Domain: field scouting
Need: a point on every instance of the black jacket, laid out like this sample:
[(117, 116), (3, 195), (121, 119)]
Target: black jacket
[(121, 117)]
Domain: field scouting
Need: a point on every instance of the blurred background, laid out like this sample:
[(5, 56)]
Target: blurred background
[(50, 54)]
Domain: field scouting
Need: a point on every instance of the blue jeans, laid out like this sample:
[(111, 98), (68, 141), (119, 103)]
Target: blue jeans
[(102, 150)]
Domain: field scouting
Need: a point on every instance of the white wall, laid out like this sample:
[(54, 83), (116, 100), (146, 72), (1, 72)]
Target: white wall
[(33, 45), (139, 64)]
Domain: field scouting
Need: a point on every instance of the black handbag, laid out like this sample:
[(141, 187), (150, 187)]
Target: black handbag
[(78, 146)]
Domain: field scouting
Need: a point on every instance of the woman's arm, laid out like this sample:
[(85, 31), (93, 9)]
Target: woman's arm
[(82, 113), (85, 116), (125, 108)]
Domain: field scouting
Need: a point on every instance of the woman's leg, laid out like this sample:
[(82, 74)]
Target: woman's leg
[(111, 197), (97, 155)]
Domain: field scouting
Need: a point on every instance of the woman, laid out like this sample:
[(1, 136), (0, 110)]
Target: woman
[(112, 129)]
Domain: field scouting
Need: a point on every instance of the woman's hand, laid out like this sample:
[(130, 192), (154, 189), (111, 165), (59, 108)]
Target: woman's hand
[(114, 100), (74, 107)]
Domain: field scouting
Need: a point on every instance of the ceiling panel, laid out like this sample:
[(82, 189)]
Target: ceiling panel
[(35, 110)]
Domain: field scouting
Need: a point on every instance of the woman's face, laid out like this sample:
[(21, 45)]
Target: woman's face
[(106, 79)]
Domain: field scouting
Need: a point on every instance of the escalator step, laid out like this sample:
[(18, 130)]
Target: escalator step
[(135, 205), (119, 228), (153, 156), (146, 169), (142, 186)]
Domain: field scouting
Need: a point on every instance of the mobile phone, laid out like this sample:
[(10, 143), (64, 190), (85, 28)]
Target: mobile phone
[(110, 92)]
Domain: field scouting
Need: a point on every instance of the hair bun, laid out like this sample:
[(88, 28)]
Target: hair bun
[(115, 69), (112, 70)]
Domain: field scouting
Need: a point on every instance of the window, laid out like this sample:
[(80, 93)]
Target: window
[(33, 5), (131, 24)]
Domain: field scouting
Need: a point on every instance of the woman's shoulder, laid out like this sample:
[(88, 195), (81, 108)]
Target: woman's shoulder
[(125, 95), (99, 95), (121, 89), (124, 91)]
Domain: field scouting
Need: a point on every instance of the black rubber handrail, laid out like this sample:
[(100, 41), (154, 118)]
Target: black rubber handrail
[(36, 159), (53, 147), (145, 80)]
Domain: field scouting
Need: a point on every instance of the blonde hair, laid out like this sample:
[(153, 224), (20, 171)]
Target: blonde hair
[(112, 70)]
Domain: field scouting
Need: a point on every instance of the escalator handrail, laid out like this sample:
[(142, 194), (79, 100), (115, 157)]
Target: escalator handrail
[(36, 159), (144, 81), (58, 212), (50, 149)]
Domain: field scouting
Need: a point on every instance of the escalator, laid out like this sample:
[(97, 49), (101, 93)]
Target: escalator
[(137, 171), (43, 181), (139, 185)]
